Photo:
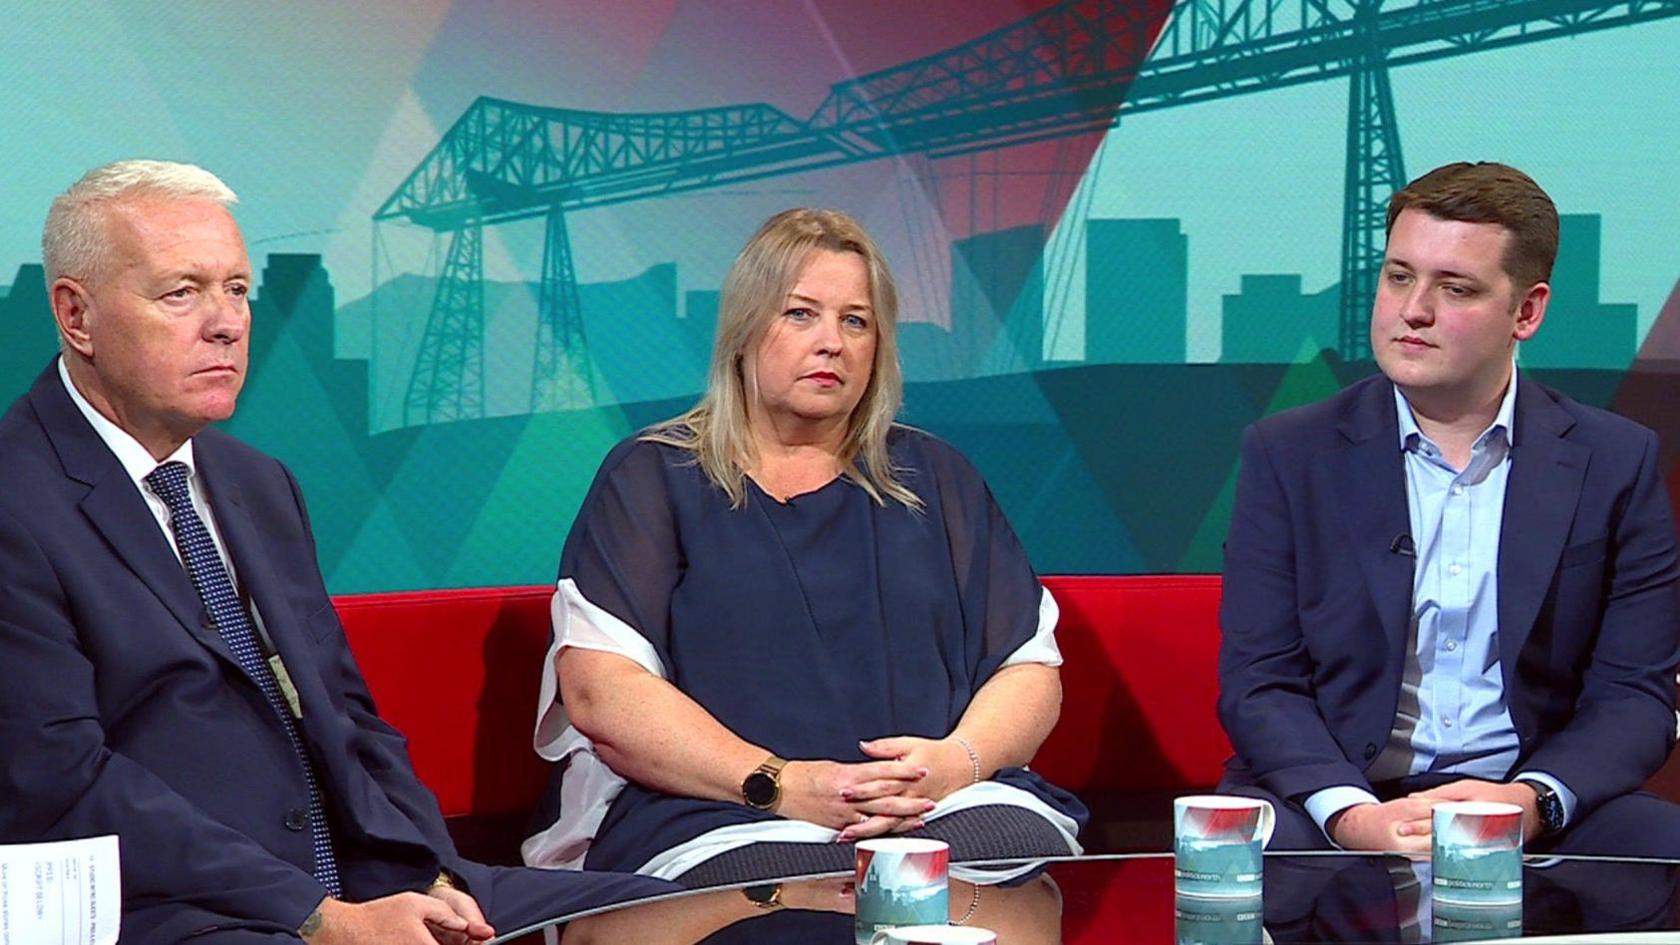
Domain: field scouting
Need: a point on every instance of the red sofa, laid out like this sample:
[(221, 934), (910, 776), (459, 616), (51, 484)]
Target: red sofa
[(457, 672)]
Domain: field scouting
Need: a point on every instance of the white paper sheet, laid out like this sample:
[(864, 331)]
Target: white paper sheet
[(65, 893)]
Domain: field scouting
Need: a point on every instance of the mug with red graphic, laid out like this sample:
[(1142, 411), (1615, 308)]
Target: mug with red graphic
[(1217, 844), (901, 881), (1477, 852)]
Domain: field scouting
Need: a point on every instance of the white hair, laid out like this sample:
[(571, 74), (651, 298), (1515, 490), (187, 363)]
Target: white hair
[(73, 241)]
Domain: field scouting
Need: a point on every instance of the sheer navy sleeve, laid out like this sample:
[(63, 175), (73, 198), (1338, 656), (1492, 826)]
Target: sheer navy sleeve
[(624, 552)]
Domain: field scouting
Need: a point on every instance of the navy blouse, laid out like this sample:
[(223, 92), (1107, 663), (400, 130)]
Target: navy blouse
[(802, 626)]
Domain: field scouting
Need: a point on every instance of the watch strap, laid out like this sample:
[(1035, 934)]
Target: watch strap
[(1547, 803)]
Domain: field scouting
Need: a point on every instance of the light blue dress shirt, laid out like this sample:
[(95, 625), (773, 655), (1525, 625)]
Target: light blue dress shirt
[(1452, 717)]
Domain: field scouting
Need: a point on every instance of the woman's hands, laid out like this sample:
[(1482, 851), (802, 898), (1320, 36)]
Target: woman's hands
[(872, 798), (946, 761), (860, 800)]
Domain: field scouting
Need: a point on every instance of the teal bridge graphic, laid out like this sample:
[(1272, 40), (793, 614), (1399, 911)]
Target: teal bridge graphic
[(1072, 68)]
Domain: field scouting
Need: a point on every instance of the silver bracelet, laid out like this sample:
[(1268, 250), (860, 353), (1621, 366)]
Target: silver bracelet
[(973, 756)]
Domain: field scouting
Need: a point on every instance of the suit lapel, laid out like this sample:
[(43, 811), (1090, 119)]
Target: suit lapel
[(324, 723), (1544, 487), (257, 577), (117, 510), (1369, 480)]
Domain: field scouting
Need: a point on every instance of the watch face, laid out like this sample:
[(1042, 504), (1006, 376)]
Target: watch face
[(1548, 805), (760, 790), (1551, 811)]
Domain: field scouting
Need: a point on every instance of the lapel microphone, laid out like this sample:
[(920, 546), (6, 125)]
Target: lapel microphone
[(1402, 545)]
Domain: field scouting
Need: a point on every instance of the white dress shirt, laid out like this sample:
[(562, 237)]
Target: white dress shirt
[(137, 461)]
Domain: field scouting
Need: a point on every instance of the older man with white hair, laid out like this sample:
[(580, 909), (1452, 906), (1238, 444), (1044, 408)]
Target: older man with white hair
[(171, 669)]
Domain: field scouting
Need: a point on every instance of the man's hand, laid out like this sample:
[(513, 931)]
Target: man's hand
[(1471, 789), (465, 906), (1399, 826), (946, 761), (408, 918)]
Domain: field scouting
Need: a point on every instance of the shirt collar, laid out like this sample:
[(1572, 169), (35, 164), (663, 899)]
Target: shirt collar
[(1410, 434), (136, 460)]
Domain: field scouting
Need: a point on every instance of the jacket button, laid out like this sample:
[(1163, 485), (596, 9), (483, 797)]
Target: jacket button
[(296, 819), (1370, 752)]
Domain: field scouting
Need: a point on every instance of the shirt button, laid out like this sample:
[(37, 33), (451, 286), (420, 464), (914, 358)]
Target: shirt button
[(1446, 723), (1451, 645), (1457, 490), (1455, 569), (1370, 751), (296, 819)]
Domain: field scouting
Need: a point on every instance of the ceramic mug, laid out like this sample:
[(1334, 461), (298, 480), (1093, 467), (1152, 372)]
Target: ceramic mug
[(1477, 852), (901, 881), (935, 935), (1218, 841)]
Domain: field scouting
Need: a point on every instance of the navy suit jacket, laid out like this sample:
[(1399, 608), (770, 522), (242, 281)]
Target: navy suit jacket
[(1317, 605), (122, 711)]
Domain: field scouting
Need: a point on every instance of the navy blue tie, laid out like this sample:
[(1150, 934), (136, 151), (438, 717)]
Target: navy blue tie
[(169, 483)]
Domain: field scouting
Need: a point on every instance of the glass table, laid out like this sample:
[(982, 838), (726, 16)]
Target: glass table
[(1309, 897)]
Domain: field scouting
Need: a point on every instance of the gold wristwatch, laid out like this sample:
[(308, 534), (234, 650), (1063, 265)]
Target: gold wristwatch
[(762, 789), (764, 896)]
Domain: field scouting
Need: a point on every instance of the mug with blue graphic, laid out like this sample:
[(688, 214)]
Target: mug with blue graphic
[(1477, 853), (901, 881), (935, 935), (1454, 922), (1217, 844), (1203, 921)]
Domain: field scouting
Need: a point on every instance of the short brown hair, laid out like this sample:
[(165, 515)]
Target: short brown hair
[(1488, 192)]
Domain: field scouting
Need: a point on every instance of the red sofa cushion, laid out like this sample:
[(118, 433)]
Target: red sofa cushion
[(1139, 683), (457, 672)]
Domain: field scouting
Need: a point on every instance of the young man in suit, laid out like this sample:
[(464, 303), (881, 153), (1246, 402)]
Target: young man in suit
[(1448, 581), (171, 669)]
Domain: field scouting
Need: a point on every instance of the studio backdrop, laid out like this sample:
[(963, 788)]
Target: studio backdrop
[(489, 235)]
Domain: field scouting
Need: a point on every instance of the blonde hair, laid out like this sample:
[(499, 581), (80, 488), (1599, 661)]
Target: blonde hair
[(74, 239), (716, 430)]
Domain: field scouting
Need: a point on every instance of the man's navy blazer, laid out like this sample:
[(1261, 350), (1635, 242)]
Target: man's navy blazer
[(122, 711), (1318, 595)]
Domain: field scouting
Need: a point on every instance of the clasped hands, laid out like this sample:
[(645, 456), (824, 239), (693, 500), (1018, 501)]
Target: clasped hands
[(869, 799), (439, 916), (1404, 824)]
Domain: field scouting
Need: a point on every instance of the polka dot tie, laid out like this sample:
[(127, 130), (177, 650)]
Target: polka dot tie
[(169, 483)]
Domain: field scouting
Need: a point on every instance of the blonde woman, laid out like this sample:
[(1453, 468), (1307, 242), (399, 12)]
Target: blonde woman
[(785, 623)]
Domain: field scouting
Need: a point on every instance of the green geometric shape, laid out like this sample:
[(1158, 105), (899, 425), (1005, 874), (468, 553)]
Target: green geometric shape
[(1136, 291), (1155, 467), (377, 558), (1206, 551), (1270, 319), (1307, 381), (520, 522), (1580, 331), (30, 336)]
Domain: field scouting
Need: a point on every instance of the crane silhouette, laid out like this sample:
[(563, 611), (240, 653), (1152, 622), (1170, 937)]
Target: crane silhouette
[(1072, 68)]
